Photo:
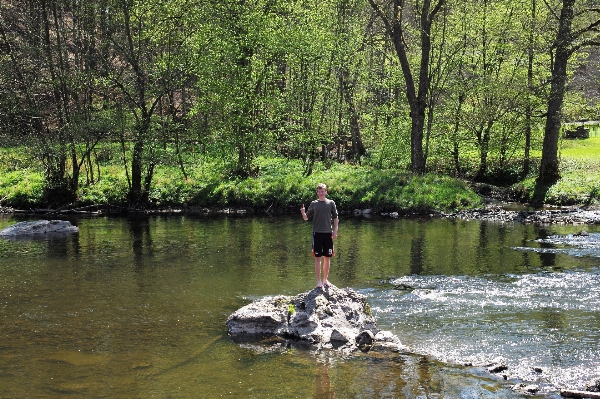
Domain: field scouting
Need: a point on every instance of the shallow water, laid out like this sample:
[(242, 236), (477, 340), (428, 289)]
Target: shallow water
[(135, 307)]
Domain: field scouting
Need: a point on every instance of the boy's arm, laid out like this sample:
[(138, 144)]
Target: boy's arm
[(303, 212), (336, 222)]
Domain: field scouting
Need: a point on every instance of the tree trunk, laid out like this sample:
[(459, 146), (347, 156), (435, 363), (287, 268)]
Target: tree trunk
[(416, 100), (347, 87), (549, 171), (484, 149), (455, 130), (135, 192)]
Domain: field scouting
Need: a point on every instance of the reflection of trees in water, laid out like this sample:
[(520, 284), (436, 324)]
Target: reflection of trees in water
[(483, 252), (424, 375), (547, 258), (141, 239), (417, 250), (524, 243), (502, 237), (457, 227), (346, 259), (492, 244), (63, 246)]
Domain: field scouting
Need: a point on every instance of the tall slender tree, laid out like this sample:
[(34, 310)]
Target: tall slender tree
[(397, 18), (52, 58)]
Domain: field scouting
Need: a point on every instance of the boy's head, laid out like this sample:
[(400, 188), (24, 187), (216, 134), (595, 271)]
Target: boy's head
[(321, 191)]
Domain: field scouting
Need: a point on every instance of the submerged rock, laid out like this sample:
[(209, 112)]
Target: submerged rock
[(329, 317), (497, 365), (526, 388), (39, 227)]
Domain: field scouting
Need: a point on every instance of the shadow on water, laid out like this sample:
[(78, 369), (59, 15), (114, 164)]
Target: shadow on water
[(135, 307)]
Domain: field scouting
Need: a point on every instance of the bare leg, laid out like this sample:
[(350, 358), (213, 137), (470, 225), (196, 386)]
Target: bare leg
[(318, 271), (326, 260)]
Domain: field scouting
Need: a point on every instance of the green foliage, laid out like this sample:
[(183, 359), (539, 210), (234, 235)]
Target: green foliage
[(21, 181), (185, 83), (281, 186), (21, 188), (110, 189)]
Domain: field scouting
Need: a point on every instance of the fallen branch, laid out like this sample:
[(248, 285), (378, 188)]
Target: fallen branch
[(569, 393)]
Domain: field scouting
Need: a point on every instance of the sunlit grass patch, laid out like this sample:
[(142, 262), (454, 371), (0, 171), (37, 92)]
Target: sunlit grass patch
[(109, 189), (21, 187), (581, 149), (580, 173)]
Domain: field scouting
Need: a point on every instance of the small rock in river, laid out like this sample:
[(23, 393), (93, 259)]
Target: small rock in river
[(521, 387), (593, 385), (39, 228), (497, 366)]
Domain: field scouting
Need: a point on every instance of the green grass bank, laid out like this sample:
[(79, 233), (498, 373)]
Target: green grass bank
[(282, 187), (580, 175)]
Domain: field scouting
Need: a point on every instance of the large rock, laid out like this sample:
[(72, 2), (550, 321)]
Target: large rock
[(331, 317), (38, 228)]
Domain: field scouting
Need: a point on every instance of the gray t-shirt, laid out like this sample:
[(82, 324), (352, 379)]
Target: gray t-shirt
[(322, 212)]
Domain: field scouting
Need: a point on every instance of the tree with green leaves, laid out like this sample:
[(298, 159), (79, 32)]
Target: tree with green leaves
[(145, 61), (404, 22), (52, 57), (240, 77), (578, 26)]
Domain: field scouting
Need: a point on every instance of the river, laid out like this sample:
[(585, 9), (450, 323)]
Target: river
[(136, 307)]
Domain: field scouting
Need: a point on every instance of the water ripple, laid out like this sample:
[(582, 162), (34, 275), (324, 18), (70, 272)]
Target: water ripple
[(543, 321), (579, 245)]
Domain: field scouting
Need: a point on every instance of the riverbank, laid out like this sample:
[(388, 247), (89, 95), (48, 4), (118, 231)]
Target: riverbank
[(501, 213), (281, 186), (572, 215)]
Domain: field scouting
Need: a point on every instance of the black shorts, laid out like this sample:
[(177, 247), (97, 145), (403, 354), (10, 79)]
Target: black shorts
[(322, 245)]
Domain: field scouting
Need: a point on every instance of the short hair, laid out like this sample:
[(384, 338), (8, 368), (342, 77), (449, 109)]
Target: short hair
[(322, 185)]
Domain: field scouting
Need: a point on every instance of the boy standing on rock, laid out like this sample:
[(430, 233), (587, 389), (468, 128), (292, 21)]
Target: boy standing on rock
[(323, 211)]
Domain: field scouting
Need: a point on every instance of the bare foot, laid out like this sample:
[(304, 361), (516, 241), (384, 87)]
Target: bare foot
[(327, 283)]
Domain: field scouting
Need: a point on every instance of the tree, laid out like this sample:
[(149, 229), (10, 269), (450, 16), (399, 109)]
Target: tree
[(350, 36), (52, 59), (144, 62), (397, 25), (241, 77), (498, 72), (568, 40)]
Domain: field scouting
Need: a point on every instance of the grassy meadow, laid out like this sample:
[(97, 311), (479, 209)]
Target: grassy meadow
[(580, 174)]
